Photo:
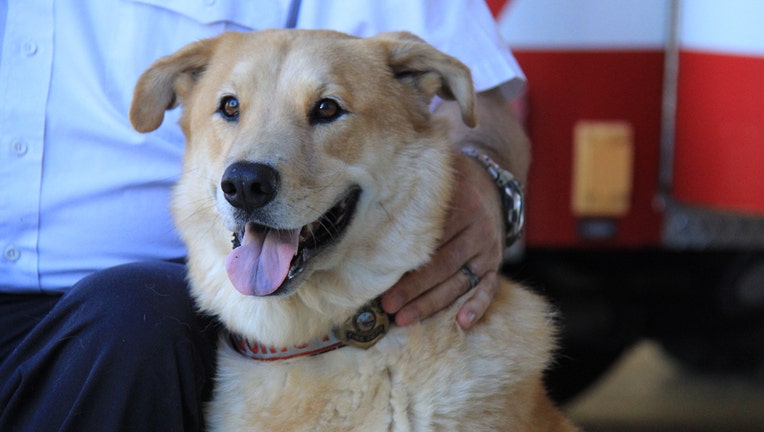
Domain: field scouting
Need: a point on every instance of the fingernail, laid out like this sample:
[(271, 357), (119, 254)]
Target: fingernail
[(471, 318), (467, 320)]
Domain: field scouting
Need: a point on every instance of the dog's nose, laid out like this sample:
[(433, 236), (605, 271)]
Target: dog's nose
[(249, 185)]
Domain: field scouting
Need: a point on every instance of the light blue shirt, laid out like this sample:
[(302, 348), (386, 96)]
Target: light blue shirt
[(80, 190)]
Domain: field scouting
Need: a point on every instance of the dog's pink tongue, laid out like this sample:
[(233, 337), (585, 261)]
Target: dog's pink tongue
[(260, 265)]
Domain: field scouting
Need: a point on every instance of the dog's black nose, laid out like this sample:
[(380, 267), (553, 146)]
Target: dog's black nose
[(249, 185)]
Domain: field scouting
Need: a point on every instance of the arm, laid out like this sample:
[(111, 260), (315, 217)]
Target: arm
[(474, 232)]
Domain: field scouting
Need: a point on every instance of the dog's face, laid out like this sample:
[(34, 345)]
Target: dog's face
[(315, 154)]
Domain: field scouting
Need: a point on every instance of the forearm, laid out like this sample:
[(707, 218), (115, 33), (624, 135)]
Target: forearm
[(499, 134)]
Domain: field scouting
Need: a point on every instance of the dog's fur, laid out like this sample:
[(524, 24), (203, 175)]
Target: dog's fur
[(430, 376)]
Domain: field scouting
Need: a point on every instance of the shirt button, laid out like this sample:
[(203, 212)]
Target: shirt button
[(20, 148), (12, 254), (29, 48)]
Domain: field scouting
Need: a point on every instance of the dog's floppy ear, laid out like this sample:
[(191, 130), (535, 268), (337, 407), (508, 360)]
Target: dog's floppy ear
[(166, 82), (431, 72)]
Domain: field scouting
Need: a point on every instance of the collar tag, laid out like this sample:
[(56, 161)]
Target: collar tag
[(365, 328), (362, 330)]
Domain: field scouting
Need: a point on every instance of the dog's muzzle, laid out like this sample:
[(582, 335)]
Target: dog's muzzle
[(270, 260)]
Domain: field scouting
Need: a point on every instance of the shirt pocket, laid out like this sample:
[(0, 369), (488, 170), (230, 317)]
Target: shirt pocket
[(245, 14), (150, 29)]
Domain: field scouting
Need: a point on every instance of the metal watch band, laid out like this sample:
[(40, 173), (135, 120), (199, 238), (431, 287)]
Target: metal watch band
[(511, 190)]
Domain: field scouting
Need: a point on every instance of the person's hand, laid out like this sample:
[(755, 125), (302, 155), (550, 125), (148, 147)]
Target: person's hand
[(473, 236)]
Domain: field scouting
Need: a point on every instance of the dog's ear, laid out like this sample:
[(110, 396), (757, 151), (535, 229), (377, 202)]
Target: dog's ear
[(430, 71), (166, 82)]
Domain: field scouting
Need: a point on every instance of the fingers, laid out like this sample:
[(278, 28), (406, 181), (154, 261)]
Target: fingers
[(437, 298), (436, 285), (474, 309), (441, 296), (431, 287), (447, 259)]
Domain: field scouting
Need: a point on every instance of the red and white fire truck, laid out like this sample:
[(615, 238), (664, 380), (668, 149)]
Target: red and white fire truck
[(645, 202)]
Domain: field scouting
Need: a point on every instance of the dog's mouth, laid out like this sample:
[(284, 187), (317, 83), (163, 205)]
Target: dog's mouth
[(268, 261)]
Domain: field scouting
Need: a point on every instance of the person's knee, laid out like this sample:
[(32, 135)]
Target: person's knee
[(141, 304)]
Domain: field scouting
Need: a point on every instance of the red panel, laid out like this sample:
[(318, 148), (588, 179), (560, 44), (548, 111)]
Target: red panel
[(719, 152), (568, 86)]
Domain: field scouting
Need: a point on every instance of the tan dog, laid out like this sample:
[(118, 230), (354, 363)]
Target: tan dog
[(318, 151)]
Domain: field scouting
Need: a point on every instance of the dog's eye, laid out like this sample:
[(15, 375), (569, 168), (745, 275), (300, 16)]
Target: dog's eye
[(229, 108), (326, 111)]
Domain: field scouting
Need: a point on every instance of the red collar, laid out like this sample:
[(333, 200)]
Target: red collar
[(257, 351)]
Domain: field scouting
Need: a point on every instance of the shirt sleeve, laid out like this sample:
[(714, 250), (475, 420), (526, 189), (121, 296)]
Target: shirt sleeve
[(464, 29)]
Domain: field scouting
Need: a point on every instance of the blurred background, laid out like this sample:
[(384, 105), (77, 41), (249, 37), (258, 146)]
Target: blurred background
[(645, 205)]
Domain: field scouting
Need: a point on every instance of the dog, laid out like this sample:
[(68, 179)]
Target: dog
[(314, 177)]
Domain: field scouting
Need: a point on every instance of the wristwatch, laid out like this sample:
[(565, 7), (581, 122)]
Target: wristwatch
[(511, 190)]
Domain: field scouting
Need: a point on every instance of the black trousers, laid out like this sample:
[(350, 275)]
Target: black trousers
[(124, 349)]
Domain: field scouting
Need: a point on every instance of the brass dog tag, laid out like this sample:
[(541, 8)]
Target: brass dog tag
[(365, 328)]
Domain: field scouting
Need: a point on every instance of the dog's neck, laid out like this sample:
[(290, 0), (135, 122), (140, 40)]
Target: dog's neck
[(362, 330)]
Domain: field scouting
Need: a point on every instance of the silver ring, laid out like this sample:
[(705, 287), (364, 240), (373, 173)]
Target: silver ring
[(472, 277)]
